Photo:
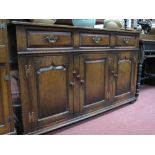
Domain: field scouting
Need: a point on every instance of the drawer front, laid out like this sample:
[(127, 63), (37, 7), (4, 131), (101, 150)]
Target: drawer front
[(38, 39), (3, 55), (94, 40), (126, 41)]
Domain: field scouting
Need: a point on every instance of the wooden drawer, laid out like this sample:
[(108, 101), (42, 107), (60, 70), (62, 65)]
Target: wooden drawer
[(126, 40), (48, 39), (94, 40), (3, 55)]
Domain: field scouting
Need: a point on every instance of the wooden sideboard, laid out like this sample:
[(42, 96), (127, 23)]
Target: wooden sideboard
[(6, 114), (68, 73)]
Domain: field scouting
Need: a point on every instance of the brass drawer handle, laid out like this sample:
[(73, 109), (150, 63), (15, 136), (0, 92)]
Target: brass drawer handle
[(96, 39), (52, 39), (126, 40)]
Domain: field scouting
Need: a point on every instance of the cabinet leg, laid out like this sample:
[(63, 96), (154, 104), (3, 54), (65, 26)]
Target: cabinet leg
[(138, 79)]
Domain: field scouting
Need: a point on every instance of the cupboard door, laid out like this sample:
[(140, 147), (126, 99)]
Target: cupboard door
[(124, 76), (94, 81), (3, 41), (47, 89), (2, 31), (5, 113)]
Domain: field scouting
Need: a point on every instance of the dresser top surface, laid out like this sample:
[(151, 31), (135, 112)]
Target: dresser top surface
[(72, 27)]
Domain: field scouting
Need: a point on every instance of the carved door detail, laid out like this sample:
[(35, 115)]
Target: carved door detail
[(123, 76), (50, 93)]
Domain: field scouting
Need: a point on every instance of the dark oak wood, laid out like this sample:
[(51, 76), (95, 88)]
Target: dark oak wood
[(48, 88), (124, 75), (87, 72), (3, 54), (93, 81), (6, 115)]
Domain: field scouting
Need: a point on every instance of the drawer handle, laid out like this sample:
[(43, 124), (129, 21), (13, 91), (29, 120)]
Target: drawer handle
[(52, 39), (126, 40), (96, 39)]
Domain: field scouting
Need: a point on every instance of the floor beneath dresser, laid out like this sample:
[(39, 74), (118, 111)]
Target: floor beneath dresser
[(133, 119)]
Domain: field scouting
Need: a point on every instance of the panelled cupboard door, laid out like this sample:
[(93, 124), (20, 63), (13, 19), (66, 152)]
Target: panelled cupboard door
[(124, 76), (5, 126), (94, 81), (48, 83), (2, 31), (3, 41)]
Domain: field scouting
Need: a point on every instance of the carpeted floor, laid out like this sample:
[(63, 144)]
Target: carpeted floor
[(133, 119)]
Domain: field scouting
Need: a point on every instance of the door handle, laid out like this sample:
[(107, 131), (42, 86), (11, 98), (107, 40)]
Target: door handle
[(78, 76), (71, 83), (82, 82), (115, 75), (74, 72)]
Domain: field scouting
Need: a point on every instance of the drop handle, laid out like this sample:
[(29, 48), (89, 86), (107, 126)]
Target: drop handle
[(96, 39), (74, 72), (126, 40), (78, 76), (71, 83), (52, 39), (115, 75), (82, 81)]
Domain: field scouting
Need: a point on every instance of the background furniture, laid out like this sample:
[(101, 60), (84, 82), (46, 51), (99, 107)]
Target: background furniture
[(68, 74), (6, 114), (148, 60)]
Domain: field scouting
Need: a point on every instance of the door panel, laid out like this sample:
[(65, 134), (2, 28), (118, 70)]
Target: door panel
[(4, 102), (50, 96), (94, 81), (2, 31), (3, 41), (123, 74), (57, 79)]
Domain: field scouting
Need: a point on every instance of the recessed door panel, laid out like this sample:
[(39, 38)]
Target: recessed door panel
[(1, 102), (4, 102), (52, 92), (123, 84), (94, 81), (48, 96), (124, 75)]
